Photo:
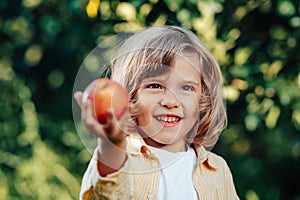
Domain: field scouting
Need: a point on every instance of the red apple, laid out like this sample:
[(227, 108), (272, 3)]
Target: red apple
[(104, 95)]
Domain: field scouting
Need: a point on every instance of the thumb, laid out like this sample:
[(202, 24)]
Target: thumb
[(78, 98)]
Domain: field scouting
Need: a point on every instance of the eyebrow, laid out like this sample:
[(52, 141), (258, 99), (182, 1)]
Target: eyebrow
[(152, 79), (193, 82)]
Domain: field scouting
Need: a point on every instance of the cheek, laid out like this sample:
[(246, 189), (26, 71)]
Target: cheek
[(144, 112), (191, 109), (190, 102), (142, 118)]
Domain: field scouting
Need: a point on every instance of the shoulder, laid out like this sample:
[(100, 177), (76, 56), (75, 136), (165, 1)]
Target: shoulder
[(216, 159), (210, 159), (217, 162)]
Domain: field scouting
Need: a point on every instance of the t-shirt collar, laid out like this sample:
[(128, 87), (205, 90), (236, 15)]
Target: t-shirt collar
[(136, 145)]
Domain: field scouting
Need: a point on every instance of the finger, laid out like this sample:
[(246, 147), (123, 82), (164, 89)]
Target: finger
[(90, 121), (115, 129), (88, 109), (127, 123), (87, 114), (94, 128), (109, 127), (84, 107), (78, 98)]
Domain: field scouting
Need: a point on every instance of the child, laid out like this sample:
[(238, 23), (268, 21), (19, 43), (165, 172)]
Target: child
[(160, 149)]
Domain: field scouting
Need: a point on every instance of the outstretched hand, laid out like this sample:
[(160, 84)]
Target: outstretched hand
[(114, 130)]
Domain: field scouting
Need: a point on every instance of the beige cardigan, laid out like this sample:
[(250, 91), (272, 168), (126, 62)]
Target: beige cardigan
[(139, 177)]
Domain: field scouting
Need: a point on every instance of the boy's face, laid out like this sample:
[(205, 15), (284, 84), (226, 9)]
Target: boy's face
[(169, 104)]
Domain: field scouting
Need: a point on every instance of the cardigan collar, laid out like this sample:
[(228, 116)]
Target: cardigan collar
[(136, 145)]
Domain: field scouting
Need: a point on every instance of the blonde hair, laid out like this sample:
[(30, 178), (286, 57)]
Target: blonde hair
[(145, 53)]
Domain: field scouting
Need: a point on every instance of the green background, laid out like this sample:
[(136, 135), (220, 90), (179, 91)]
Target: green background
[(43, 44)]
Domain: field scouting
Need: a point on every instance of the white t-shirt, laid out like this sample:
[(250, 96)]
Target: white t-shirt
[(176, 175)]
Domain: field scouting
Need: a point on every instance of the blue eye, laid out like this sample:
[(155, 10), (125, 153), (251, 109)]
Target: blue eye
[(154, 86), (188, 88)]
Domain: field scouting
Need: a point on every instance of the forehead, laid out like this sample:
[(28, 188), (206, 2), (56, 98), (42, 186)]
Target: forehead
[(186, 65), (183, 69), (186, 61)]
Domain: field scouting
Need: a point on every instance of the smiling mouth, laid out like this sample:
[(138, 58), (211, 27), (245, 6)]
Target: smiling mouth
[(168, 119)]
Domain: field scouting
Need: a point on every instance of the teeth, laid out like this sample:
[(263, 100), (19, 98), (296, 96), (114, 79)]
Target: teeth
[(168, 119)]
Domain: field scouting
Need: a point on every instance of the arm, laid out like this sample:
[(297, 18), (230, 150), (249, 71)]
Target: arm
[(109, 157), (115, 185), (111, 137)]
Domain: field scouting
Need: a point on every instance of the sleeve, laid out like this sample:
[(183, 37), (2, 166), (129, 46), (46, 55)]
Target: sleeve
[(112, 186)]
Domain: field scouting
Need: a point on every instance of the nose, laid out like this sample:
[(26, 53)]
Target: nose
[(169, 99)]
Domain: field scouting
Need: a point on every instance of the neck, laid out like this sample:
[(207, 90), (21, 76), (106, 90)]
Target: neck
[(178, 147)]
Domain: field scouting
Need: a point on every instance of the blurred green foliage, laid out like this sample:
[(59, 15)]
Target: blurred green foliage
[(43, 44)]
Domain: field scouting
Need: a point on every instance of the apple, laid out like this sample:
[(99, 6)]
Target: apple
[(104, 95)]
